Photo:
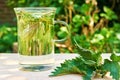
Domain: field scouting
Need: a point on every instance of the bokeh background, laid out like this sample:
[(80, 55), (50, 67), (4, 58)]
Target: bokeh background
[(95, 24)]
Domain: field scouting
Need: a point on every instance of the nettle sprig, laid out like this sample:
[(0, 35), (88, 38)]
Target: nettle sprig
[(90, 64)]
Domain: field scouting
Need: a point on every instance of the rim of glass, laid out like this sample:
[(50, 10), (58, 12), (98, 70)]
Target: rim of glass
[(34, 8)]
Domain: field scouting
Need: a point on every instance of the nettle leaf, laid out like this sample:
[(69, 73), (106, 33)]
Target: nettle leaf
[(85, 53), (89, 64), (80, 65), (89, 74), (70, 66), (89, 55), (77, 66), (113, 67)]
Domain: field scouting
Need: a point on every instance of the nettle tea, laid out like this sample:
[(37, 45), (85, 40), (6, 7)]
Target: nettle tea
[(36, 37)]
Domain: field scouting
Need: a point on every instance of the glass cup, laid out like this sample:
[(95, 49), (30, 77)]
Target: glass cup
[(36, 37)]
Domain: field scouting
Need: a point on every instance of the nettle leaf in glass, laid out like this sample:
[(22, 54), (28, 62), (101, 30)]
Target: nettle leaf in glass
[(35, 32)]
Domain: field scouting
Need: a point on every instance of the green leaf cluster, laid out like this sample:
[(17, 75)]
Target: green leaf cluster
[(89, 64), (81, 15)]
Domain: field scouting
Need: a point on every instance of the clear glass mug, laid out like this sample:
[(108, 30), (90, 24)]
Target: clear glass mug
[(36, 37)]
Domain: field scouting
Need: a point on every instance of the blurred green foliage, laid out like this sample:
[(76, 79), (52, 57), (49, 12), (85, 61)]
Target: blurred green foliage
[(8, 35), (93, 23)]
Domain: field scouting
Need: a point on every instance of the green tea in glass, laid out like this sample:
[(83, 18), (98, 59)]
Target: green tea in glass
[(36, 37)]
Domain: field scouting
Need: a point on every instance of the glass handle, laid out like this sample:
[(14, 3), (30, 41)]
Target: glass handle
[(67, 31)]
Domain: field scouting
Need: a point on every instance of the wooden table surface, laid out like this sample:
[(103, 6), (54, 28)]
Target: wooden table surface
[(9, 69)]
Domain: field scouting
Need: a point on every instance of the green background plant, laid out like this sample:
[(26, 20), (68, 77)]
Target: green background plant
[(94, 23), (8, 35)]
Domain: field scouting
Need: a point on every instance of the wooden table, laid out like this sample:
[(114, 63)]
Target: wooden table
[(9, 69)]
